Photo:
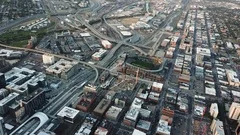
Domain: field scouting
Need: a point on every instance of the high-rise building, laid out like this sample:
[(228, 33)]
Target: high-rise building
[(2, 131), (217, 127), (7, 101), (33, 101), (2, 81)]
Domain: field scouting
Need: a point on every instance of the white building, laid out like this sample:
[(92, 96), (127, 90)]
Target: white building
[(214, 110), (138, 132), (163, 128), (229, 45), (126, 33), (106, 44), (157, 86), (68, 114), (99, 55), (137, 103), (48, 59)]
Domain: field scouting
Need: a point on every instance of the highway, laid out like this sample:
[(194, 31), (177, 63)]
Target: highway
[(110, 55), (160, 34), (101, 36), (67, 97)]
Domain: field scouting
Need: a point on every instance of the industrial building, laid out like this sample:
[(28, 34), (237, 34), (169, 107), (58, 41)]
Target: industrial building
[(63, 69), (24, 80), (68, 114)]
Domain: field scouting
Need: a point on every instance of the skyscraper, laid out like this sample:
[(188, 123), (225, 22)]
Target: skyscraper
[(2, 81), (2, 132)]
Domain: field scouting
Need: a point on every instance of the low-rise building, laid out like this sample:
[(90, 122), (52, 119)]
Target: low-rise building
[(101, 131), (165, 42), (68, 114), (138, 132), (154, 97), (113, 113), (86, 128), (131, 117), (63, 69), (48, 59), (163, 128), (143, 125), (174, 41), (137, 103), (99, 55), (106, 44), (157, 87)]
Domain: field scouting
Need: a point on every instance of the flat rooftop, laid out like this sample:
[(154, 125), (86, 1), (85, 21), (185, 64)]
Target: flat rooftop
[(9, 98), (68, 112), (18, 79)]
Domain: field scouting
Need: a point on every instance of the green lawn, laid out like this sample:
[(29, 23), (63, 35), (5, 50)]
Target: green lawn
[(20, 38)]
